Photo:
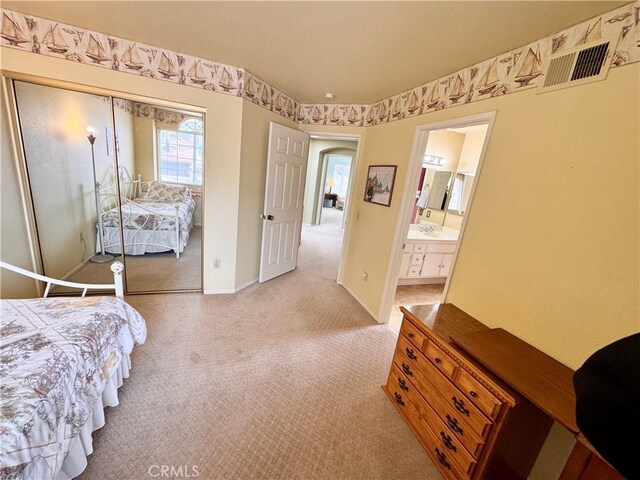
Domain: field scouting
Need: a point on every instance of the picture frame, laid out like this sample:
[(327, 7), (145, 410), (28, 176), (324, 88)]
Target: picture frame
[(380, 182)]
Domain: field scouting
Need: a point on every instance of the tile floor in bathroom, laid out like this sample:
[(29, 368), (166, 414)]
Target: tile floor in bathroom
[(413, 295)]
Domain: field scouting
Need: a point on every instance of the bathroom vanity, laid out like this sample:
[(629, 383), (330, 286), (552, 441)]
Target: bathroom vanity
[(427, 255)]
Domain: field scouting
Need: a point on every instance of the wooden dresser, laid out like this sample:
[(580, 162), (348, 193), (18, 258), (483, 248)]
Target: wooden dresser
[(471, 424)]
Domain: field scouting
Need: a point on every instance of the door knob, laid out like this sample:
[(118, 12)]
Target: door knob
[(267, 217)]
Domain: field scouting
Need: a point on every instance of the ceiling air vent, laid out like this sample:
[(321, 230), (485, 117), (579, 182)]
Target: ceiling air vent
[(585, 63)]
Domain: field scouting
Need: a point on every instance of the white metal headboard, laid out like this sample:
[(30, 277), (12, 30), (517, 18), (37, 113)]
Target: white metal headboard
[(116, 268)]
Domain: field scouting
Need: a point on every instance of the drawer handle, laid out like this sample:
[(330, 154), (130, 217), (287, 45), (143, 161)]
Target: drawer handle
[(446, 439), (402, 384), (473, 394), (410, 335), (459, 404), (410, 353), (398, 398), (438, 360), (443, 459), (453, 424), (407, 370)]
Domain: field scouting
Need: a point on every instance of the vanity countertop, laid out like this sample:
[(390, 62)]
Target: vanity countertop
[(447, 234)]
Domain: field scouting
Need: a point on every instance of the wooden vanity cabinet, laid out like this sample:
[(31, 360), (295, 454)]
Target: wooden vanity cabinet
[(470, 424)]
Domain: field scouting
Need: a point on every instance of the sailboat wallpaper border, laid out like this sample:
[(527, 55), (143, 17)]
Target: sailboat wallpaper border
[(59, 40), (507, 73), (516, 70)]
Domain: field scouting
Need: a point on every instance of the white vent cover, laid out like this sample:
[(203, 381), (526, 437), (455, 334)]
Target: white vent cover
[(585, 63)]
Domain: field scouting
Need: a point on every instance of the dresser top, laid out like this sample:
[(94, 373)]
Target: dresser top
[(445, 319), (543, 380)]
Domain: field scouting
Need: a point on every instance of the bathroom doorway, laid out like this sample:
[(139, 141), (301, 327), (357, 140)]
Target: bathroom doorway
[(443, 175)]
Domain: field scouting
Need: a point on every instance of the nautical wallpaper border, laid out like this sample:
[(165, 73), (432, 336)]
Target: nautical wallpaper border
[(507, 73)]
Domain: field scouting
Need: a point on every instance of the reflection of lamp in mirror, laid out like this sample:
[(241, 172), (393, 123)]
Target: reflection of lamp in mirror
[(330, 183), (102, 257)]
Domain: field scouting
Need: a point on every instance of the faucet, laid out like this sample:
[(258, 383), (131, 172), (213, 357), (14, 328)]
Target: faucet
[(428, 229)]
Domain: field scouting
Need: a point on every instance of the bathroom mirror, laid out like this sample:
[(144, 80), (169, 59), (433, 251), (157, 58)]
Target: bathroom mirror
[(438, 190), (460, 193)]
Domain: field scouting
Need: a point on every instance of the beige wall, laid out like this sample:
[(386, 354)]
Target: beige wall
[(471, 149), (145, 149), (222, 148), (253, 173), (317, 149), (552, 259)]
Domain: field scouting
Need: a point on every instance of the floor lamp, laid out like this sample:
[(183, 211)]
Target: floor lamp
[(102, 257)]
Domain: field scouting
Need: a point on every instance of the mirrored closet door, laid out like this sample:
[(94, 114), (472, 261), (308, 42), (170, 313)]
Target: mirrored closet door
[(108, 176), (68, 148), (160, 155)]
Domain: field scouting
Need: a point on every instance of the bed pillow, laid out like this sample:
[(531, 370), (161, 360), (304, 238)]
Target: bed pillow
[(167, 193)]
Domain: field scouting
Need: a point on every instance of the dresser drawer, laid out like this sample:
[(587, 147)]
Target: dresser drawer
[(456, 424), (431, 384), (414, 335), (408, 247), (457, 403), (414, 409), (447, 441), (478, 394), (444, 363), (407, 352)]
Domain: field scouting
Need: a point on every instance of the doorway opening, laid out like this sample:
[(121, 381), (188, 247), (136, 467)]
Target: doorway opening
[(331, 167), (442, 178)]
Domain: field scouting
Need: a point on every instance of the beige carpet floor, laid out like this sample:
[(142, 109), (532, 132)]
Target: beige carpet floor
[(279, 381), (152, 271)]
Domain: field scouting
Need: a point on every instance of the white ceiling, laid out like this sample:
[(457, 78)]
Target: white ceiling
[(362, 51)]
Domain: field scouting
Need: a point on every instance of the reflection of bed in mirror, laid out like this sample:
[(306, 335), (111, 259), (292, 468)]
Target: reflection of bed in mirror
[(156, 216)]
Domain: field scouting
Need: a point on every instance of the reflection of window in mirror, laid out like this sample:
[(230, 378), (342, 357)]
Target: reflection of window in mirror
[(180, 152)]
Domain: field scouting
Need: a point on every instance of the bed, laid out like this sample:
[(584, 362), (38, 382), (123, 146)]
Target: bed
[(156, 216), (61, 362)]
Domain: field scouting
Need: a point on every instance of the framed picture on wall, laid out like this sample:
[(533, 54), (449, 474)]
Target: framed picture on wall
[(380, 180)]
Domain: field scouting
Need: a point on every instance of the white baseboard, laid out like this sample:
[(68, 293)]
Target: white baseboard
[(230, 291), (248, 284), (75, 269), (422, 281), (375, 317)]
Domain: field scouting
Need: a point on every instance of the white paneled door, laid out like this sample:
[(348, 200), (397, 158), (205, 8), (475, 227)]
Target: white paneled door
[(284, 193)]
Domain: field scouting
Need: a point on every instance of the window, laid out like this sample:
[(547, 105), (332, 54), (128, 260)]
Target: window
[(180, 153)]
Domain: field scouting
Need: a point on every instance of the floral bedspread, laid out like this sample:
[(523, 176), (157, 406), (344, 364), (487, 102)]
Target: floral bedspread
[(55, 356), (142, 214)]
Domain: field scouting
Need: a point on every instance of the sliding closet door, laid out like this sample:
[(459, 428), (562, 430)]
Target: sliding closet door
[(70, 157), (160, 156)]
